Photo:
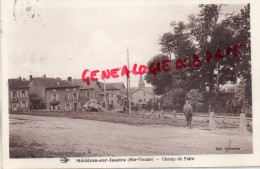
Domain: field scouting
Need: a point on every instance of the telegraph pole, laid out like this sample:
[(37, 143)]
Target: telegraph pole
[(128, 86), (105, 96), (217, 78), (127, 94)]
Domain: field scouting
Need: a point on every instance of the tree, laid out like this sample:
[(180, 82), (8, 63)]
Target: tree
[(240, 100), (162, 80), (205, 33), (194, 38), (239, 25), (195, 99)]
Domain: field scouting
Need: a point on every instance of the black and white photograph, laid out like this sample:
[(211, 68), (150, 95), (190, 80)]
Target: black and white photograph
[(129, 83)]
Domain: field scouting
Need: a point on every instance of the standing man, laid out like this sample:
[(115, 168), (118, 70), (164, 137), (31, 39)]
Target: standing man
[(187, 109)]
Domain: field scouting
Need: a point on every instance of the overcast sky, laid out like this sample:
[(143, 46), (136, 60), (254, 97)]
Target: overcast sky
[(71, 36)]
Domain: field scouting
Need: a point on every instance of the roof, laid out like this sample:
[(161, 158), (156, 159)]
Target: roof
[(26, 82), (82, 84), (141, 82), (113, 86), (228, 87), (17, 84), (144, 89), (94, 84), (54, 83), (34, 97)]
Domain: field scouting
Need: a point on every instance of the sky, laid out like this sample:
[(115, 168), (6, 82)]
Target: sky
[(62, 39)]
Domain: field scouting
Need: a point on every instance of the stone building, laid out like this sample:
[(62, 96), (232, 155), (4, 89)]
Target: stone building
[(141, 95), (115, 95), (87, 92), (114, 92), (18, 95), (54, 94)]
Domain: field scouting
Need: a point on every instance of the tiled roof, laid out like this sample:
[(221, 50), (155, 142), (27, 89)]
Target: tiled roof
[(16, 84), (26, 82), (54, 83), (144, 89), (34, 96), (94, 84), (82, 84), (113, 86)]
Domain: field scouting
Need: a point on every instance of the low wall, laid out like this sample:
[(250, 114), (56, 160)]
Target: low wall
[(200, 117)]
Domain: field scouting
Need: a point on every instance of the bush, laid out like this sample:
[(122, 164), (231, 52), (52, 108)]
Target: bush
[(195, 99)]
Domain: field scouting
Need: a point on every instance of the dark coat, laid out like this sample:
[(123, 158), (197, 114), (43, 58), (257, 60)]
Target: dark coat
[(187, 109)]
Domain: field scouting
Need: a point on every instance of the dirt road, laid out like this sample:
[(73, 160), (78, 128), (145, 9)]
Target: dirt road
[(39, 136)]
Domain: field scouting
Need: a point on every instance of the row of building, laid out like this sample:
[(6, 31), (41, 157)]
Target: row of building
[(73, 94)]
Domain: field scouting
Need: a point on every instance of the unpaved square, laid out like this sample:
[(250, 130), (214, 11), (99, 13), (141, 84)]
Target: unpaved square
[(45, 137)]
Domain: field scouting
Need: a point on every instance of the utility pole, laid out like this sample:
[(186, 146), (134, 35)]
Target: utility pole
[(105, 96), (128, 85), (217, 78), (153, 98), (127, 94)]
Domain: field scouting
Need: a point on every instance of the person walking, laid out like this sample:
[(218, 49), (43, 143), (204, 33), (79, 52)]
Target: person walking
[(187, 109)]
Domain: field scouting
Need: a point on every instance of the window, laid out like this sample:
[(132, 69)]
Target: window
[(54, 97), (144, 100), (67, 96), (14, 94), (54, 107), (23, 94), (14, 105), (54, 90), (88, 94), (75, 95), (67, 89), (23, 104), (144, 94), (74, 88)]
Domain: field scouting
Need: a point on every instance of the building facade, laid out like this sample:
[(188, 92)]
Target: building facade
[(115, 95), (87, 92), (141, 95), (18, 95), (108, 95), (54, 94)]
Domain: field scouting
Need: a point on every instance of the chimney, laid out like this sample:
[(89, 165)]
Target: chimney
[(23, 79), (30, 77), (69, 79), (20, 78)]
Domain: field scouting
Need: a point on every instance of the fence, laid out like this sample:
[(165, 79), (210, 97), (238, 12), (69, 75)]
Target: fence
[(241, 121)]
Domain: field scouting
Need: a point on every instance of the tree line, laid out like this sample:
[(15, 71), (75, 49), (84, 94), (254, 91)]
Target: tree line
[(208, 30)]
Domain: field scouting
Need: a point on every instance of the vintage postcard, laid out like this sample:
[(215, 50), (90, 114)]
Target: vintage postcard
[(130, 84)]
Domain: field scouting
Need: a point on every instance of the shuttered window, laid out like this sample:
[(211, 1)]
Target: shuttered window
[(67, 96), (55, 97), (75, 95), (23, 94)]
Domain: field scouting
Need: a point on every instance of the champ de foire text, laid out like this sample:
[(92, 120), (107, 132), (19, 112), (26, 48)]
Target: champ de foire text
[(153, 68)]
